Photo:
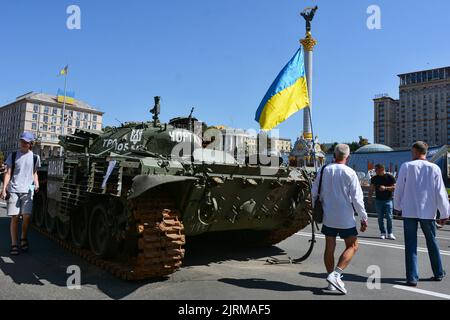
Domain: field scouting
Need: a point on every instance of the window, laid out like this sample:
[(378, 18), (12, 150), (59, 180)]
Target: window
[(53, 120), (78, 115), (70, 123), (85, 125), (94, 126), (45, 119), (34, 126), (35, 117), (55, 111), (44, 127), (71, 114), (46, 109), (78, 123), (94, 118), (86, 117), (36, 108), (53, 128)]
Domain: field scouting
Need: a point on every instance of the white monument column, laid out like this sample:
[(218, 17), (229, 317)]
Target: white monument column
[(308, 45)]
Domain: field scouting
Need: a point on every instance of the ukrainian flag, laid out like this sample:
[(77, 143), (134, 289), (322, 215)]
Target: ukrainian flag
[(287, 95), (64, 71)]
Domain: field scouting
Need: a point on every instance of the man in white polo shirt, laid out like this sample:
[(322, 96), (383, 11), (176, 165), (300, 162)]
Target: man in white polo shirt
[(420, 193), (341, 196)]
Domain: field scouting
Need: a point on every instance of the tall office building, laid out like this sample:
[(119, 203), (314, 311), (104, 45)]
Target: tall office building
[(41, 114), (421, 113)]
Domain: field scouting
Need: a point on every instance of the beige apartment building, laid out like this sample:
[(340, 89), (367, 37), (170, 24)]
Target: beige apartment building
[(247, 140), (421, 113), (282, 145), (41, 114)]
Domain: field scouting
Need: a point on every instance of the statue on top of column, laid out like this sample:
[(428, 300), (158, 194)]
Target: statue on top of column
[(308, 14)]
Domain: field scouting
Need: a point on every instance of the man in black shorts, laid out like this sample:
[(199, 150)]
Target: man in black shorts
[(341, 194)]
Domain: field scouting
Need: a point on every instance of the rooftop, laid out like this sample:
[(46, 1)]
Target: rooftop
[(374, 148), (50, 99), (403, 74)]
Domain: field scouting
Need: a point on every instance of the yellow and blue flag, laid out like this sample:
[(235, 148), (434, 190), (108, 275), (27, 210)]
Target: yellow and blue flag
[(287, 95), (64, 71)]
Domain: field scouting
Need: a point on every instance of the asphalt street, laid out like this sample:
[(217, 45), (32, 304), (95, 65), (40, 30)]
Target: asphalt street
[(213, 269)]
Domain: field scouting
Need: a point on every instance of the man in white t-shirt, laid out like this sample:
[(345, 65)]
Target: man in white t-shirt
[(341, 195), (20, 183), (420, 193)]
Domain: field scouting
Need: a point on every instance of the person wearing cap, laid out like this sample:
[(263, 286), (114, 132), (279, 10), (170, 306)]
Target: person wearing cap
[(419, 194), (20, 183)]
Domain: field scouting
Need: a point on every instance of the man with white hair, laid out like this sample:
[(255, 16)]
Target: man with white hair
[(420, 194), (341, 194)]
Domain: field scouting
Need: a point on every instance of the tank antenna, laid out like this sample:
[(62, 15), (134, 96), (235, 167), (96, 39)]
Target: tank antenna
[(190, 119), (156, 110)]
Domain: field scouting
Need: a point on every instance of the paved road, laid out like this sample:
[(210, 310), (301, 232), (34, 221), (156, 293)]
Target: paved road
[(216, 271)]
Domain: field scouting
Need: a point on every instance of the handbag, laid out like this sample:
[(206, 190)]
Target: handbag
[(318, 208)]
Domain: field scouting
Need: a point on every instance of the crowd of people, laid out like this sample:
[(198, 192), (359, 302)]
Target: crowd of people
[(418, 195)]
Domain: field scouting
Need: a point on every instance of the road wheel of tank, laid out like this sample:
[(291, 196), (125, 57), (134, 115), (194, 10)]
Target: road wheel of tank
[(63, 228), (39, 209), (101, 238), (79, 226), (49, 221)]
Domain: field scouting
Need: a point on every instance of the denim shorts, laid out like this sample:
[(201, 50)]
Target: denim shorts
[(343, 233)]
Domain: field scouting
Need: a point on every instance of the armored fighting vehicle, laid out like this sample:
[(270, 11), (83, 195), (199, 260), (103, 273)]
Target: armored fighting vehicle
[(126, 198)]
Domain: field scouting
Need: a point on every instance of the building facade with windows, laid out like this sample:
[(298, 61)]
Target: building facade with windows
[(41, 114), (422, 111), (282, 145)]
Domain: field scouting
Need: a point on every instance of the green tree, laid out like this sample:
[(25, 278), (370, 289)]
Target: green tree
[(324, 148), (363, 141), (354, 145), (332, 147)]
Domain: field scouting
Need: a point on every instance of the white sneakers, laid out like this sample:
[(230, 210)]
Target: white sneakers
[(331, 287), (335, 280), (390, 236)]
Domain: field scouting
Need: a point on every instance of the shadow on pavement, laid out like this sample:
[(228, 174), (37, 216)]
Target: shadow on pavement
[(354, 278), (259, 284), (48, 262), (220, 247)]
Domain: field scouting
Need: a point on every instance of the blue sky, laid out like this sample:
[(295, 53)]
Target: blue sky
[(219, 56)]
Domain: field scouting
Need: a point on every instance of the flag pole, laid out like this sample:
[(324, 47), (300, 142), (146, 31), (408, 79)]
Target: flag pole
[(64, 110)]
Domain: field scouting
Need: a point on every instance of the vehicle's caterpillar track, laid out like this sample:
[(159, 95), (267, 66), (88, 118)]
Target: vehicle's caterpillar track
[(160, 242)]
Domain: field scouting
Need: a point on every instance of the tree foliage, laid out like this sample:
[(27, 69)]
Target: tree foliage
[(354, 145)]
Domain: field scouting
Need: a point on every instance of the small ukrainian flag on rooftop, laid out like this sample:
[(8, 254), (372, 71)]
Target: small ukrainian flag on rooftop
[(64, 71), (287, 95)]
